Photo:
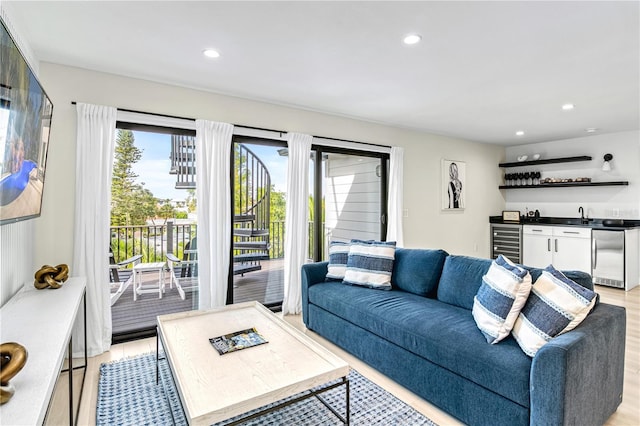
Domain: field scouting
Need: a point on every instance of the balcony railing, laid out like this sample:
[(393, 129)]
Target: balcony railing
[(153, 242)]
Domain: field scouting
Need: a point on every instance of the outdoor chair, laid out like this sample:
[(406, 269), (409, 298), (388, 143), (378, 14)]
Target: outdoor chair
[(120, 275), (187, 278)]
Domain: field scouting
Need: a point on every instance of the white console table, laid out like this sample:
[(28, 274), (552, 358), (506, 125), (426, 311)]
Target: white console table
[(41, 321)]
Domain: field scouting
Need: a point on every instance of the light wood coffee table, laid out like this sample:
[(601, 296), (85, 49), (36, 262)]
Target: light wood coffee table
[(215, 387)]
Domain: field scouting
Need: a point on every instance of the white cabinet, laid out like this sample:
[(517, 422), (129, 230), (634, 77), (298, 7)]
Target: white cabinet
[(42, 321), (536, 246), (631, 258), (567, 248)]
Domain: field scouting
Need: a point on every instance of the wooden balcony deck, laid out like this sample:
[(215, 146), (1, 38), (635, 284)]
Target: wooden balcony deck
[(127, 316)]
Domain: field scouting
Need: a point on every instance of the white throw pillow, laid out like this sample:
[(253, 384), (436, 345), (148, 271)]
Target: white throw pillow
[(556, 305), (370, 264), (338, 255), (504, 291)]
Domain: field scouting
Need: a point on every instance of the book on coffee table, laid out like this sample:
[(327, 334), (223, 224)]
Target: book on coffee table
[(238, 340)]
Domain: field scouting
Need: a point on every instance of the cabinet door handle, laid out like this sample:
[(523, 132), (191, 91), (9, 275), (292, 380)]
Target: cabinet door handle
[(594, 255), (548, 244), (555, 243), (571, 232), (536, 230)]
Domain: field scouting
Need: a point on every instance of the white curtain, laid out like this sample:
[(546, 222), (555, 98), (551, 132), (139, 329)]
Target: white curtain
[(213, 192), (296, 220), (395, 203), (96, 134)]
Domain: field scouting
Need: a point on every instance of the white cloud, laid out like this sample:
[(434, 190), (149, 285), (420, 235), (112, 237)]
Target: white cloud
[(156, 178)]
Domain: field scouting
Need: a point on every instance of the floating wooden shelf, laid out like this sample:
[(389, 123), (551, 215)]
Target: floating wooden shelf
[(546, 161), (565, 185)]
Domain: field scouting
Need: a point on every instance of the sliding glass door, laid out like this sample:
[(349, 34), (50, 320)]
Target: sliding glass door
[(259, 193), (349, 197), (153, 228), (347, 200)]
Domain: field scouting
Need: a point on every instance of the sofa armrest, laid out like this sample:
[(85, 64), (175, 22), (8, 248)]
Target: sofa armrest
[(312, 273), (577, 378)]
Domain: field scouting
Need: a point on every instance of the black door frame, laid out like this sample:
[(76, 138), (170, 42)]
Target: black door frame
[(317, 185), (254, 140)]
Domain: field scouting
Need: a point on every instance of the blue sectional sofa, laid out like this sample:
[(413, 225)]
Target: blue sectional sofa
[(422, 335)]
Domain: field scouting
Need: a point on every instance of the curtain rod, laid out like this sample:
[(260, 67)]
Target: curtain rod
[(246, 127)]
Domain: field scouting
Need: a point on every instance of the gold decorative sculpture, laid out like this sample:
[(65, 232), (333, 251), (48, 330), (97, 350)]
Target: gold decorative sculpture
[(49, 276), (13, 356)]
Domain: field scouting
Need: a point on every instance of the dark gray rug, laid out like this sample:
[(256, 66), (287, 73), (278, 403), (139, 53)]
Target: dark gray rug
[(128, 395)]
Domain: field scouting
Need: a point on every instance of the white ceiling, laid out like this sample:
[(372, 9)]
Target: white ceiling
[(482, 71)]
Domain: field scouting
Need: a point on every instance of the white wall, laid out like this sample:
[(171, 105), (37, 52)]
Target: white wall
[(426, 226), (352, 198), (599, 202)]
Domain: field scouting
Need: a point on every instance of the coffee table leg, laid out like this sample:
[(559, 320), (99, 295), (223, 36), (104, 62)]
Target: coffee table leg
[(348, 405), (157, 355)]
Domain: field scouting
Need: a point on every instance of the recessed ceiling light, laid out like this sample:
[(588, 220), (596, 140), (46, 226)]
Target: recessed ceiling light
[(520, 133), (568, 107), (412, 38), (591, 130), (211, 53)]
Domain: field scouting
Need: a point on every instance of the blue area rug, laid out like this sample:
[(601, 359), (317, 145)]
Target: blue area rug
[(128, 395)]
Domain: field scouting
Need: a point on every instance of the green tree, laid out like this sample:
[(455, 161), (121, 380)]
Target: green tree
[(166, 210), (131, 203), (278, 204), (191, 200), (242, 180), (147, 205)]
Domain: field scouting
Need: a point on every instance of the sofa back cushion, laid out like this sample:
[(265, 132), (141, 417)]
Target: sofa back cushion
[(418, 271), (462, 277), (460, 280)]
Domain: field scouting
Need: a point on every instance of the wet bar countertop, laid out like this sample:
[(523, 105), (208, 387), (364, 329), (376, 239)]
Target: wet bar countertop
[(613, 224)]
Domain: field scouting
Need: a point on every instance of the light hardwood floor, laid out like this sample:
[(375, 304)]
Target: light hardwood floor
[(627, 414)]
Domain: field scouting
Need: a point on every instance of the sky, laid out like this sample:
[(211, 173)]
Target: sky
[(153, 167), (276, 164)]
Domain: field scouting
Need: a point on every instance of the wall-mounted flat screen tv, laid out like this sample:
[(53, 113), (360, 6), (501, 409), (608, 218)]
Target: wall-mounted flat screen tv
[(25, 120)]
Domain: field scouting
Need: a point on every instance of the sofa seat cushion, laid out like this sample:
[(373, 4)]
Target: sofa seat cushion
[(444, 334)]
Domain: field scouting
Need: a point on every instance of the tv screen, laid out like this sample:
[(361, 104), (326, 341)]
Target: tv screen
[(25, 120)]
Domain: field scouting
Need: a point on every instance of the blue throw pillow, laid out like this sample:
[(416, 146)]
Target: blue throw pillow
[(370, 264), (503, 292), (556, 305), (338, 255)]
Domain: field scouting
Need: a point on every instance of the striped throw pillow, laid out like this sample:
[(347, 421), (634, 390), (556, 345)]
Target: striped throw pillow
[(556, 305), (370, 264), (338, 255), (501, 296)]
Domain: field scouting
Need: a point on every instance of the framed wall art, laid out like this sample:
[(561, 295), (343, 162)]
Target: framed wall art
[(453, 185)]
